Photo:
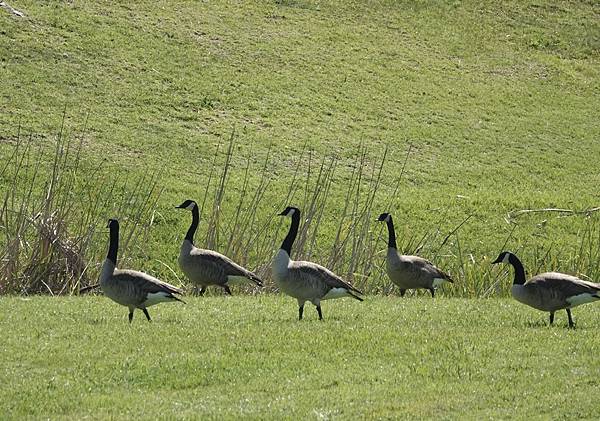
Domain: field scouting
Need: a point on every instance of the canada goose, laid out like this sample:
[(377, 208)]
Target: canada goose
[(410, 272), (207, 267), (549, 291), (131, 288), (306, 281)]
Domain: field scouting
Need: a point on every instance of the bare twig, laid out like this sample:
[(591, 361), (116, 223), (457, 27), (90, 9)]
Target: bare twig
[(11, 9), (88, 288), (49, 235), (515, 214), (454, 230)]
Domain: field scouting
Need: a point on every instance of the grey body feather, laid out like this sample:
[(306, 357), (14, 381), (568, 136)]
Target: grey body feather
[(549, 291), (131, 288), (207, 267), (552, 291), (307, 281), (412, 272)]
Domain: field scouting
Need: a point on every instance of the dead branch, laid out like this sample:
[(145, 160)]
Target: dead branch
[(11, 9), (455, 229), (88, 288), (514, 214)]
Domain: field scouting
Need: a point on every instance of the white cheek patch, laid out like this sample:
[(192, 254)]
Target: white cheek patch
[(579, 299), (291, 212), (506, 258), (387, 218), (191, 206)]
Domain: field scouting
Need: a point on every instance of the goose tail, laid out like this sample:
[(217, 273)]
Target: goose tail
[(356, 297), (244, 278), (256, 280), (175, 298), (447, 277)]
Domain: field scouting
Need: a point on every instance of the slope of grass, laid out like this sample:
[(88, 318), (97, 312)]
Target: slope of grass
[(226, 357), (498, 100)]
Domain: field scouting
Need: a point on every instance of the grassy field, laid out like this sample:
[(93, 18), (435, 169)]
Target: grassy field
[(226, 357), (437, 111), (492, 105)]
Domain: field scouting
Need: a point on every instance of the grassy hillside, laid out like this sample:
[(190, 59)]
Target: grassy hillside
[(226, 357), (494, 105)]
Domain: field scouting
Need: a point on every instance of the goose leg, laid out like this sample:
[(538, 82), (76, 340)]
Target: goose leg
[(130, 315), (571, 324), (300, 308), (551, 318), (202, 291), (147, 315), (432, 292), (402, 292), (227, 290), (319, 311)]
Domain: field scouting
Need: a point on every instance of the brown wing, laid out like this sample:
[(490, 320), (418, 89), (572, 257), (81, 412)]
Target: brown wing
[(145, 283), (420, 271), (314, 270), (425, 266), (222, 265), (565, 285)]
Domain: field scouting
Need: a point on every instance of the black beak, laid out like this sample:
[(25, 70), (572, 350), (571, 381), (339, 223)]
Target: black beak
[(498, 260)]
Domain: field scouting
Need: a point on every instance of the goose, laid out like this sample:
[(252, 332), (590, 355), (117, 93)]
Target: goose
[(207, 267), (131, 288), (410, 272), (549, 291), (306, 281)]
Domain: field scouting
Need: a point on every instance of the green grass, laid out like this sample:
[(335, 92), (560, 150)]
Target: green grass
[(226, 357), (499, 101)]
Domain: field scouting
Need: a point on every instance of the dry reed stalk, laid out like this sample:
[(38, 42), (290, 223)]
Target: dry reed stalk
[(50, 231)]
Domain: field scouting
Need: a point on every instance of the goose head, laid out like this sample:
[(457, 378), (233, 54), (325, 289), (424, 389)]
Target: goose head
[(112, 224), (289, 211), (505, 257), (384, 217), (187, 204)]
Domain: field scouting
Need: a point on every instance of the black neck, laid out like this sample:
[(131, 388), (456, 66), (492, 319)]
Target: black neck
[(291, 235), (519, 270), (391, 233), (113, 247), (192, 230)]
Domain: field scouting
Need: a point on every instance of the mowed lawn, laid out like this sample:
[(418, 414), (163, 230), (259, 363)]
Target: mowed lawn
[(228, 357)]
